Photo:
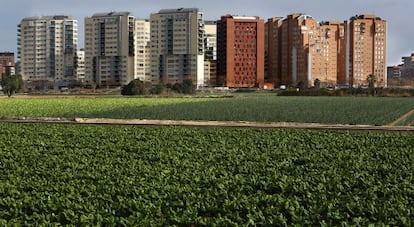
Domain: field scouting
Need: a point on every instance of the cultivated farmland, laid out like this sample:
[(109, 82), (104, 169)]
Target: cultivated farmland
[(141, 176), (262, 108)]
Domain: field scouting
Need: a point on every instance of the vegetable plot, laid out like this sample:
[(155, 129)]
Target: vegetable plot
[(262, 108), (141, 176)]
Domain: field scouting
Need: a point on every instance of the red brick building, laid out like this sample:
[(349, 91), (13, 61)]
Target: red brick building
[(240, 52)]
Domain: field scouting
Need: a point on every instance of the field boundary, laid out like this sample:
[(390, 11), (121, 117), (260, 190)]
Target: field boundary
[(220, 124), (401, 119)]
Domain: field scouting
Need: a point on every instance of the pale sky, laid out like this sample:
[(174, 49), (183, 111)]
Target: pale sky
[(397, 13)]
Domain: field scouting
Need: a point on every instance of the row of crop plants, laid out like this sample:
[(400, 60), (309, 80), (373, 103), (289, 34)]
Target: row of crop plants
[(142, 176), (263, 108)]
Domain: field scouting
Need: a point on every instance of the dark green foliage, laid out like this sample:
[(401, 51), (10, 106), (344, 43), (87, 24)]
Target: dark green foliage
[(187, 87), (371, 81), (147, 176), (12, 84), (157, 89), (135, 87)]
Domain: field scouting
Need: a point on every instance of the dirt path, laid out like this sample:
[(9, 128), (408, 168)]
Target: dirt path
[(401, 119), (221, 124)]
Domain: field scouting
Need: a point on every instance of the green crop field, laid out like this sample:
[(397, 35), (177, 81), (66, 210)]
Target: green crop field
[(263, 108), (160, 176)]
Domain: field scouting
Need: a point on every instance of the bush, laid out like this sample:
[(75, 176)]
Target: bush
[(135, 87), (187, 87), (12, 84)]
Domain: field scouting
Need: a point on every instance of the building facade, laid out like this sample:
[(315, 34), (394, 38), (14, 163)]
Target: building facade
[(240, 52), (272, 51), (177, 50), (210, 53), (367, 35), (301, 51), (142, 50), (7, 64), (80, 65), (407, 67), (309, 51), (47, 48), (109, 48)]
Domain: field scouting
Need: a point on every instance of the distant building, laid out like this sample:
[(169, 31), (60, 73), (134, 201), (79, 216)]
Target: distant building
[(300, 50), (142, 50), (394, 72), (273, 51), (407, 67), (80, 65), (210, 53), (240, 52), (367, 38), (177, 47), (7, 64), (309, 51), (109, 48), (47, 48)]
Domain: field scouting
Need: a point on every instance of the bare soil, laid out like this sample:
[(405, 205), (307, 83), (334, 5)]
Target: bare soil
[(216, 124)]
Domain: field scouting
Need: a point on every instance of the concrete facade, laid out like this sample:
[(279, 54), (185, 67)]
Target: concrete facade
[(109, 49), (210, 53), (142, 50), (80, 65), (177, 47), (47, 48)]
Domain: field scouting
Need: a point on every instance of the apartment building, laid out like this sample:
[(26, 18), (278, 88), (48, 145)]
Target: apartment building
[(367, 35), (80, 65), (109, 49), (142, 50), (300, 51), (328, 54), (240, 52), (7, 64), (47, 48), (210, 53), (407, 67), (273, 51), (177, 50)]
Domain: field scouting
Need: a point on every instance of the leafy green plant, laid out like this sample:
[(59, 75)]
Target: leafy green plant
[(142, 176)]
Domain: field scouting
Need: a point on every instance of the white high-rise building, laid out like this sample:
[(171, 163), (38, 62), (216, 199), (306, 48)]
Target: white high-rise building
[(47, 48), (177, 49), (142, 50), (210, 53), (109, 48), (80, 65)]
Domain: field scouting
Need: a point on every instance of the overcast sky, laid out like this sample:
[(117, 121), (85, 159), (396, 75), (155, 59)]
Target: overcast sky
[(397, 13)]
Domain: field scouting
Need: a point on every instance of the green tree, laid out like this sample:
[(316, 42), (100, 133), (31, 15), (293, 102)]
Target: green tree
[(12, 84), (135, 87), (157, 89), (188, 86), (371, 81)]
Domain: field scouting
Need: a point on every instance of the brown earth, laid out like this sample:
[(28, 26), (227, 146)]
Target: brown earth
[(219, 124)]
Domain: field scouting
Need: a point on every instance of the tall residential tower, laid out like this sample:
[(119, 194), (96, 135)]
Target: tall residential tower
[(177, 51), (367, 36), (240, 52), (47, 48), (109, 48)]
